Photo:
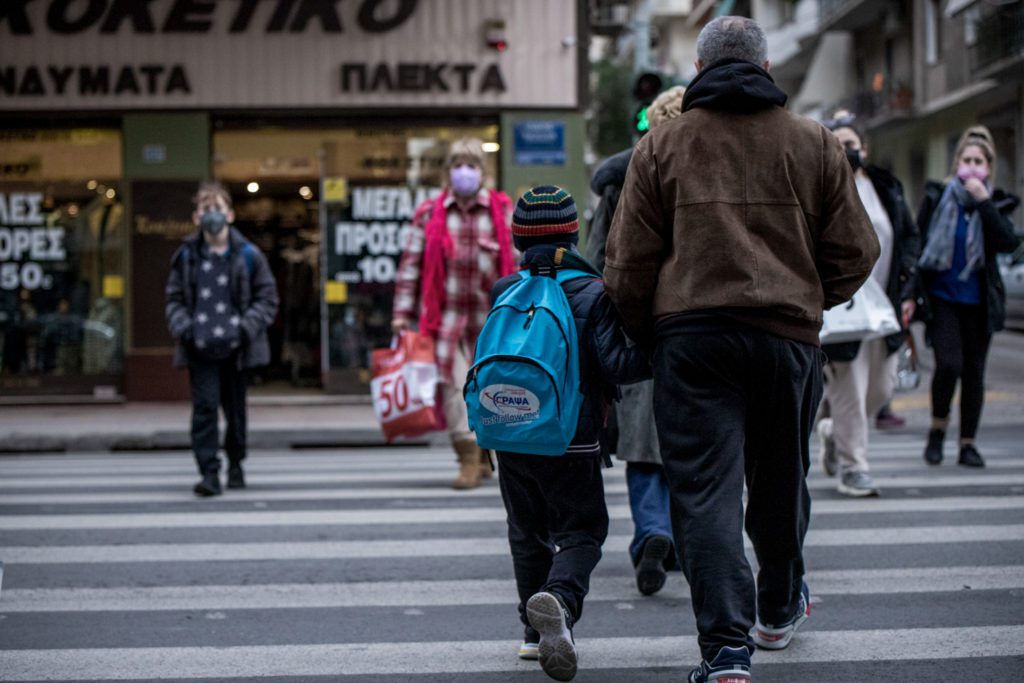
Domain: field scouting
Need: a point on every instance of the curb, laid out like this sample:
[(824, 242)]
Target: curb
[(281, 439)]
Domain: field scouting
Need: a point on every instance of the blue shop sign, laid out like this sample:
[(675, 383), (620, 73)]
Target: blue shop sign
[(540, 142)]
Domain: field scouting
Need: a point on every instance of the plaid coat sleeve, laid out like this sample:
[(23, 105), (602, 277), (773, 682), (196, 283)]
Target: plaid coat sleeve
[(410, 268)]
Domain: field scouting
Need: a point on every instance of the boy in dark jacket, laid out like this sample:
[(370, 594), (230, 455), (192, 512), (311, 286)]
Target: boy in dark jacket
[(557, 519), (221, 297)]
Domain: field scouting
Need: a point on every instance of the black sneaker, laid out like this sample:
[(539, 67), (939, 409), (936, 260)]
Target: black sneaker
[(970, 457), (650, 570), (933, 451), (556, 649), (778, 636), (529, 647), (208, 486), (730, 665), (236, 477)]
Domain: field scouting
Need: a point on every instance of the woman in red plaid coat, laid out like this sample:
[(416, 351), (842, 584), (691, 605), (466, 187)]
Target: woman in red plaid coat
[(460, 245)]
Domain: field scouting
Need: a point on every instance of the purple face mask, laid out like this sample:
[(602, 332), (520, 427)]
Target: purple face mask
[(465, 180), (965, 171)]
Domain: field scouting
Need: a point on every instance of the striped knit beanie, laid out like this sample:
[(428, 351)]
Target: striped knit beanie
[(545, 214)]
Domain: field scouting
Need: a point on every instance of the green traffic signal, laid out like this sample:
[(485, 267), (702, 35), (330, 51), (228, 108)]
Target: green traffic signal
[(642, 124)]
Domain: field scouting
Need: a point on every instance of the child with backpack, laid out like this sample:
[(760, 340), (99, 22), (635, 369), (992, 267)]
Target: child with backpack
[(548, 361)]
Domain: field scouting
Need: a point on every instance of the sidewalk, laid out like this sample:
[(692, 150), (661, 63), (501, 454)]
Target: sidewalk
[(324, 421), (146, 426)]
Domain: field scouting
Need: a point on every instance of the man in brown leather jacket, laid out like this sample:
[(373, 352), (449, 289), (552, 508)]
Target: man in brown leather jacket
[(739, 222)]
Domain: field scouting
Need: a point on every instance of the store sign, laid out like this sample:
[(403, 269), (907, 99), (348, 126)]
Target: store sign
[(366, 234), (197, 16), (28, 248), (96, 54), (539, 142)]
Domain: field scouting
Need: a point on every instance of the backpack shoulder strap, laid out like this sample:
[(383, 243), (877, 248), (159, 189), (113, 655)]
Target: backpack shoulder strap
[(249, 255), (567, 274)]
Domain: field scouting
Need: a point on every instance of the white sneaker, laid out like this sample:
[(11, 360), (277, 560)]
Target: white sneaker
[(529, 651), (556, 650), (858, 485)]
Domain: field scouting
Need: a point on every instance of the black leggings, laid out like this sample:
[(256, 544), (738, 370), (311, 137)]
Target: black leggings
[(960, 339)]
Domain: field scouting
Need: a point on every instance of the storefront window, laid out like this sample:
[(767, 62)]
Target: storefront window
[(329, 207), (61, 262)]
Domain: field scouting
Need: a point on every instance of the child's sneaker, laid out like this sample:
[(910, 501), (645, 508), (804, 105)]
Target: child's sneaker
[(777, 637), (528, 650), (556, 650), (730, 665)]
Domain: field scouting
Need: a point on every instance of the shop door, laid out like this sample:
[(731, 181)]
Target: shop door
[(364, 219), (281, 218)]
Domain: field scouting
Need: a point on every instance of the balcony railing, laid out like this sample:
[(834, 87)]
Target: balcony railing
[(1000, 36), (873, 108)]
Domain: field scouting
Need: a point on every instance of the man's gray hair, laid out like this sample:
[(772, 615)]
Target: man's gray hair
[(732, 38)]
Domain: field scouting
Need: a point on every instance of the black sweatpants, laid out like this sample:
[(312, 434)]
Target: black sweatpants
[(213, 383), (732, 405), (960, 339), (553, 502)]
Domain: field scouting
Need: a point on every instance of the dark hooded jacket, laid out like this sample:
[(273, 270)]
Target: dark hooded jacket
[(607, 357), (737, 211), (607, 184), (253, 293)]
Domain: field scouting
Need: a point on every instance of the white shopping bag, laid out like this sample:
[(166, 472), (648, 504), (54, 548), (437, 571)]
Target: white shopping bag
[(868, 315)]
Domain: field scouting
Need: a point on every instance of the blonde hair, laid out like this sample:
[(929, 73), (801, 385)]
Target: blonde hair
[(211, 188), (666, 106), (471, 149), (980, 137)]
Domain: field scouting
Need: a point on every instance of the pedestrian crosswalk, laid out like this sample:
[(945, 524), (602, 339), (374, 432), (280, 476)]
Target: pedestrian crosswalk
[(364, 563)]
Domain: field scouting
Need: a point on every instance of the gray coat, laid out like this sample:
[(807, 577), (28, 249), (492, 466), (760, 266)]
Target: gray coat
[(637, 434), (253, 293)]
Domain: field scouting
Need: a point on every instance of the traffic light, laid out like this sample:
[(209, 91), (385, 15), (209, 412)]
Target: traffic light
[(645, 88)]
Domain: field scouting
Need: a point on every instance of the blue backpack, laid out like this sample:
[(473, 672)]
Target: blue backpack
[(523, 392)]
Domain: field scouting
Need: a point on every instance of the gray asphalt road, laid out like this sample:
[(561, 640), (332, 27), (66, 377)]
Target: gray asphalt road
[(364, 563)]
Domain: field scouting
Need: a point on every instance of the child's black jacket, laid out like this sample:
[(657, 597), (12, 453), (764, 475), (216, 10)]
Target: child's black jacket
[(607, 358)]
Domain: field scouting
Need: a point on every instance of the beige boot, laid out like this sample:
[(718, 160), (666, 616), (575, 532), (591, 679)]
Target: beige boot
[(486, 468), (468, 454)]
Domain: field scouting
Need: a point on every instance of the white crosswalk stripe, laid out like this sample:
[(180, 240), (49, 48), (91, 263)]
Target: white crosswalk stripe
[(358, 562)]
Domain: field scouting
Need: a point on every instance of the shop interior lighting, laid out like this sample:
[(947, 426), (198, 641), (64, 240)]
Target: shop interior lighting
[(253, 187), (305, 192), (91, 184), (111, 194), (491, 147)]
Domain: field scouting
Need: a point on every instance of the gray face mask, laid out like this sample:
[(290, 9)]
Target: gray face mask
[(212, 222)]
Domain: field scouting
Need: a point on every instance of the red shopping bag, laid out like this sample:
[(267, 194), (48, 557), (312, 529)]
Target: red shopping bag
[(405, 387)]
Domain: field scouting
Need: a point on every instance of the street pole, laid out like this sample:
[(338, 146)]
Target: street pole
[(642, 36)]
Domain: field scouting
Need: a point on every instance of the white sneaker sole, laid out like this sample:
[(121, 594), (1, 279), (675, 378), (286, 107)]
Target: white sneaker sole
[(556, 651), (855, 492), (528, 651)]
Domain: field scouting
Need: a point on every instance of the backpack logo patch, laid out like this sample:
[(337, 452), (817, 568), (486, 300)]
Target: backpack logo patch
[(509, 403)]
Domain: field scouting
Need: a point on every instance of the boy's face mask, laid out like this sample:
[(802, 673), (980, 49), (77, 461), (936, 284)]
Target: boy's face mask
[(213, 222)]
